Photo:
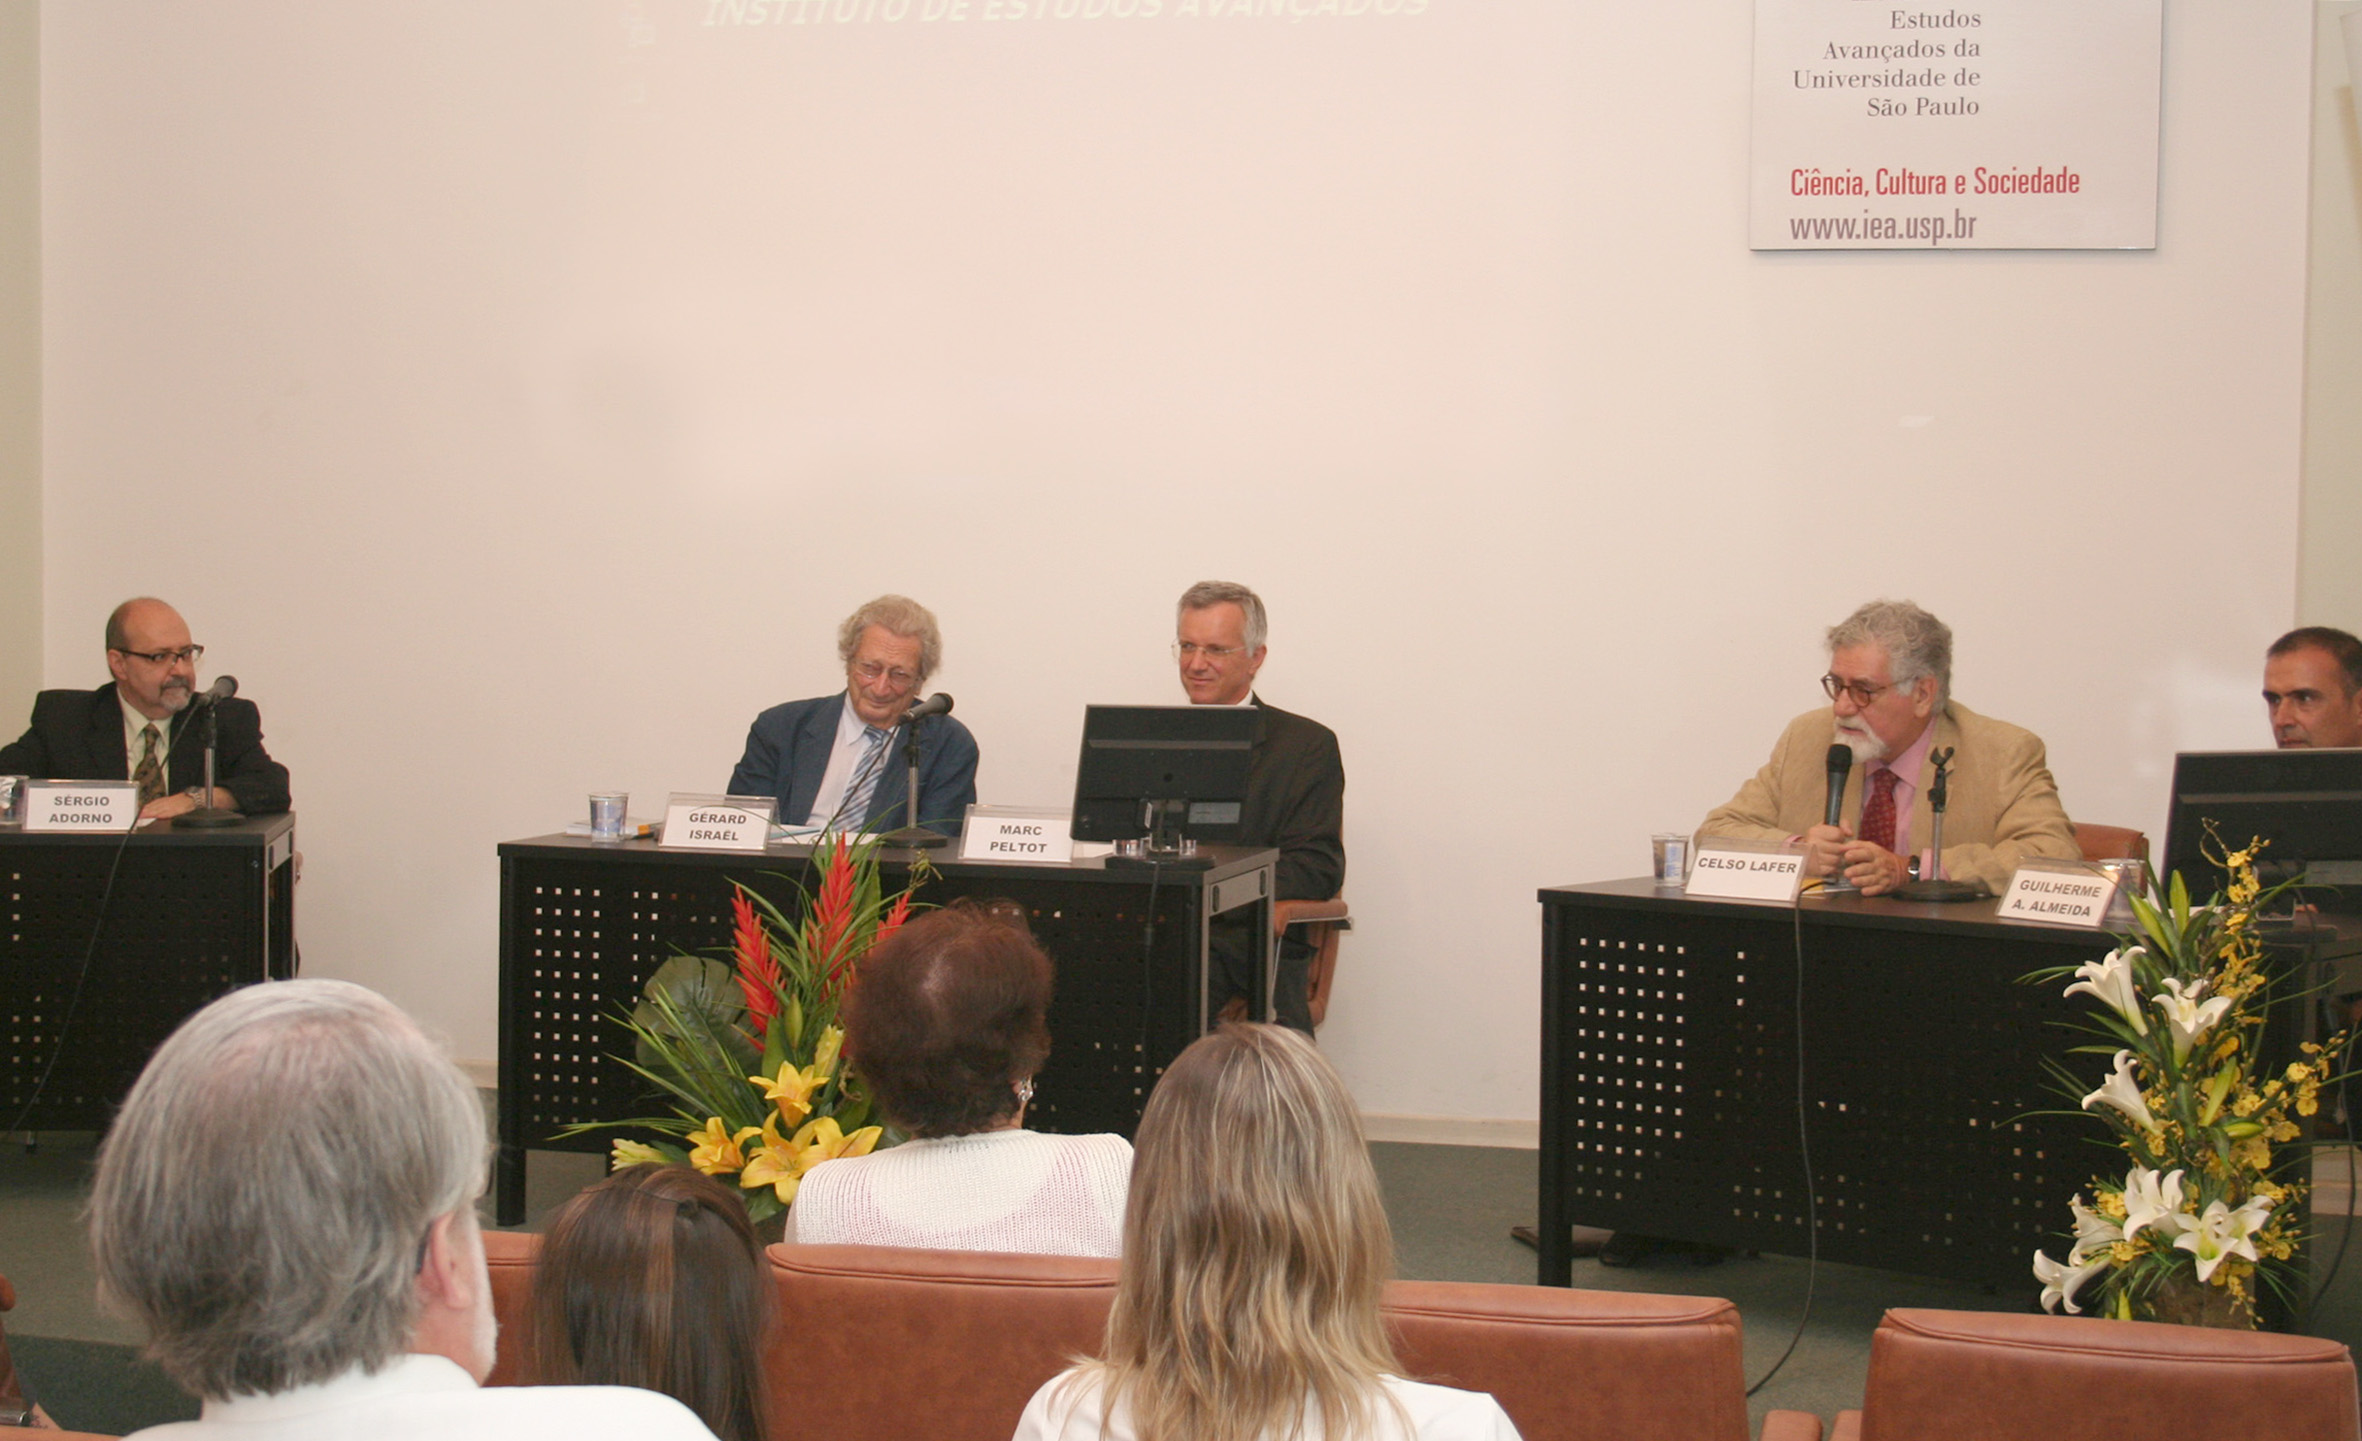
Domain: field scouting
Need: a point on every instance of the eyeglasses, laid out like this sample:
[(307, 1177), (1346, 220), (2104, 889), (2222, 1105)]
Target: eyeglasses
[(189, 653), (1862, 691), (872, 672), (1187, 650)]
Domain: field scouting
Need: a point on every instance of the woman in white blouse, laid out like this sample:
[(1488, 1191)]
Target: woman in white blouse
[(946, 1026), (1255, 1255)]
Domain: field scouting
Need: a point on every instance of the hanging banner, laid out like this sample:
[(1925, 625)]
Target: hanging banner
[(1989, 125)]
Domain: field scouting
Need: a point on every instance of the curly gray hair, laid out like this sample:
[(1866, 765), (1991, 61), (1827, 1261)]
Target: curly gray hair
[(1916, 643), (896, 615)]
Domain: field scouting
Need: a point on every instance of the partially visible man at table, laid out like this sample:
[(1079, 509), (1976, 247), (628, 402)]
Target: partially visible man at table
[(1890, 703), (837, 760), (1295, 798), (137, 726), (2313, 688)]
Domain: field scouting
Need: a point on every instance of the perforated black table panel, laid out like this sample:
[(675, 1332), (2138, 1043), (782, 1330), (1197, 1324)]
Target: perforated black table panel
[(1670, 1083), (193, 914), (583, 925)]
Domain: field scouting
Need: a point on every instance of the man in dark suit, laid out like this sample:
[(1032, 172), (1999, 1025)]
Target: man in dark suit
[(837, 760), (133, 728), (1295, 776)]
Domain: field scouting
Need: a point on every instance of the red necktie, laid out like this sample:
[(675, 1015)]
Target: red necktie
[(1878, 812)]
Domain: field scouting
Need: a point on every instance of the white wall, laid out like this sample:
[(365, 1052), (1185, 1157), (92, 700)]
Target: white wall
[(514, 396), (20, 358), (2329, 583)]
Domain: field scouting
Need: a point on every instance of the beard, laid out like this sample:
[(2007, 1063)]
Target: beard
[(1859, 739)]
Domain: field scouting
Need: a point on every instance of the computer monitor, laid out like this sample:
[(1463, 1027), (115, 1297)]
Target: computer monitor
[(1164, 772), (2307, 803)]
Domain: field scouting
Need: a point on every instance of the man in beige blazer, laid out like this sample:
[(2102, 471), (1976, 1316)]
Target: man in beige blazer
[(1889, 685)]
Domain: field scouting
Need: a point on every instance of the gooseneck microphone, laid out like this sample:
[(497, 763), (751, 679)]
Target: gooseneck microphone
[(223, 687), (936, 704), (1841, 761)]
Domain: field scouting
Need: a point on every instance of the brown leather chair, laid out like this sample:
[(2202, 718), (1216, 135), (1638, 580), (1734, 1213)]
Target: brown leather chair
[(2107, 843), (877, 1344), (1323, 923), (1987, 1376), (508, 1255)]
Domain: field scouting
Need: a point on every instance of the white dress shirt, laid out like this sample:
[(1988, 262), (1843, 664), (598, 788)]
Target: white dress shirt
[(842, 758)]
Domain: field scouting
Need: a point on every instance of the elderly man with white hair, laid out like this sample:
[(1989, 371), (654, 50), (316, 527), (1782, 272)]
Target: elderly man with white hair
[(1890, 703), (286, 1204)]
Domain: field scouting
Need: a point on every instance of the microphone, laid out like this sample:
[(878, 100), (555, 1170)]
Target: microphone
[(936, 704), (1841, 760), (223, 687)]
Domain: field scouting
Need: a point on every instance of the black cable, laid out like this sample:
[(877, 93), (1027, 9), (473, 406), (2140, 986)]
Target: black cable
[(1812, 1203), (98, 927)]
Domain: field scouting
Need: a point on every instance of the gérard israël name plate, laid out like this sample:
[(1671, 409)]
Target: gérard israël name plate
[(1985, 125)]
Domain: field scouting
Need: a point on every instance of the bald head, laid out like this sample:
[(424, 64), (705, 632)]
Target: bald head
[(140, 630)]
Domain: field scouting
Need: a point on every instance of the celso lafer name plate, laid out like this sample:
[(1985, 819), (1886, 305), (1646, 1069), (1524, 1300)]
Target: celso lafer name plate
[(1746, 875)]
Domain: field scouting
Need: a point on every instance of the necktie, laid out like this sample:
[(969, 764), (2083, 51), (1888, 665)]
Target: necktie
[(148, 773), (866, 771), (1878, 812)]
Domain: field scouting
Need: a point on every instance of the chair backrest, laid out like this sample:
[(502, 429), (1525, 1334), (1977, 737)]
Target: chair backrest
[(873, 1343), (943, 1344), (2107, 843), (1987, 1376), (1587, 1364)]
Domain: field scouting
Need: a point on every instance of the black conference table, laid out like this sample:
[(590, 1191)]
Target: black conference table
[(584, 923), (193, 914), (1670, 1078)]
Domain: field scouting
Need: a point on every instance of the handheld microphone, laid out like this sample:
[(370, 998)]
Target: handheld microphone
[(936, 704), (1841, 760)]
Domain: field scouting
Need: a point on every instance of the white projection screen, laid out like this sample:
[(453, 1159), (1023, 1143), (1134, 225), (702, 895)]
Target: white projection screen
[(515, 397)]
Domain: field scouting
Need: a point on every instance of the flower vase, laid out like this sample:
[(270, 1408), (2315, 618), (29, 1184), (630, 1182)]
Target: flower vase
[(2181, 1299)]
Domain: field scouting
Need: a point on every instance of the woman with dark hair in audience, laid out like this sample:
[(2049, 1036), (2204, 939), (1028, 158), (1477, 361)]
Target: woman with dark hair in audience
[(1255, 1255), (652, 1278), (946, 1025)]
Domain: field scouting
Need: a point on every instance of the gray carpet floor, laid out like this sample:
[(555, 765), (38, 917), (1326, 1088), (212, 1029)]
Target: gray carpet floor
[(1451, 1207)]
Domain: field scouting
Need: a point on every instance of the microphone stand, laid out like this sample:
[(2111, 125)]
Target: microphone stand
[(1932, 889), (208, 816), (912, 835)]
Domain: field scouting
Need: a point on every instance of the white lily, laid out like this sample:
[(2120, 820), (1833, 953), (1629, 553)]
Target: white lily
[(2109, 981), (2189, 1017), (2150, 1199), (2060, 1283), (2124, 1093), (2222, 1233), (2094, 1233)]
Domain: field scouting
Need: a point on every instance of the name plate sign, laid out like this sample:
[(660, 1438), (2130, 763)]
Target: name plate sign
[(707, 826), (2066, 896), (998, 833), (81, 806), (1744, 875)]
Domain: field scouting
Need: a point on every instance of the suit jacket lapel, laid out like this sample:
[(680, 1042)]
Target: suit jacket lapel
[(816, 736), (109, 761)]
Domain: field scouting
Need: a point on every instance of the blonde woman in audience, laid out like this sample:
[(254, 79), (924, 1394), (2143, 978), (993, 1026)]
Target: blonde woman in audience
[(1255, 1254)]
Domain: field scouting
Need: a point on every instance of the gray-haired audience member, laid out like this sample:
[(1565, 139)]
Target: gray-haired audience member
[(1890, 703), (2313, 688), (286, 1204)]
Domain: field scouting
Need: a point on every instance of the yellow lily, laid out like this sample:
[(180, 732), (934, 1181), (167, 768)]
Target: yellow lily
[(634, 1153), (716, 1151), (782, 1165), (824, 1055), (791, 1090)]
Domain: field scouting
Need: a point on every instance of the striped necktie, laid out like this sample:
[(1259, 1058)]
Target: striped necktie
[(866, 771), (150, 771)]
